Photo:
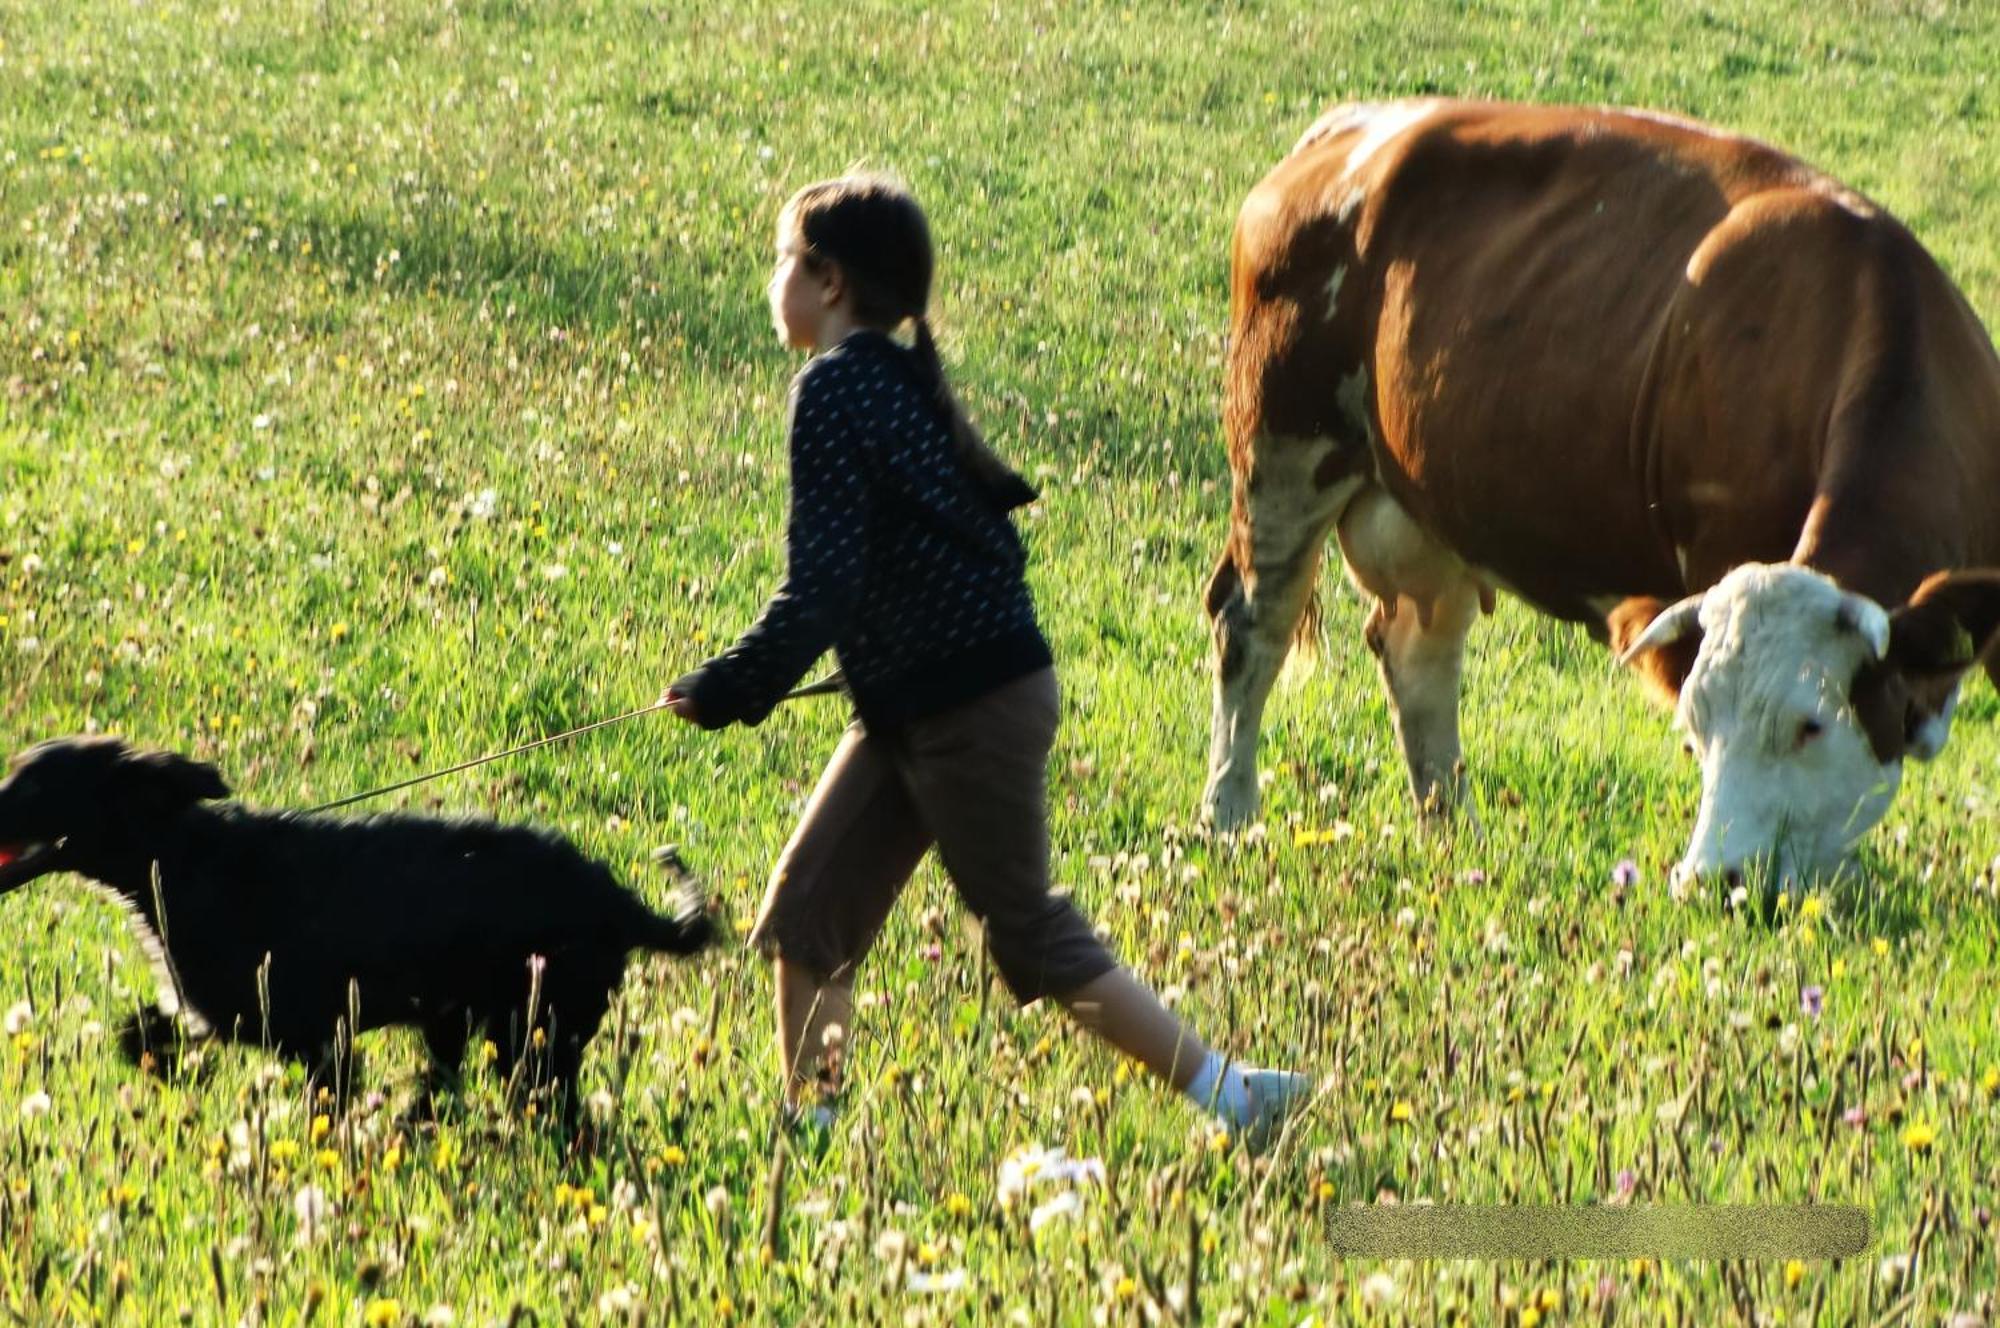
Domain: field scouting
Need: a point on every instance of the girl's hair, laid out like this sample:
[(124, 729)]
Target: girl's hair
[(871, 228)]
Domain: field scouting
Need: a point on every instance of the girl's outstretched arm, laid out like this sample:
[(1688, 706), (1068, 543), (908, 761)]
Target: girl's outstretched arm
[(826, 554)]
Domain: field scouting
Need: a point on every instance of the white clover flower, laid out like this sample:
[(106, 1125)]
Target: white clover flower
[(313, 1209), (36, 1105), (19, 1016)]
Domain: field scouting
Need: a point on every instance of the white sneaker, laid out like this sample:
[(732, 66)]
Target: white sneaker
[(1274, 1096)]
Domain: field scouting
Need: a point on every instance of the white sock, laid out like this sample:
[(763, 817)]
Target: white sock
[(1218, 1087)]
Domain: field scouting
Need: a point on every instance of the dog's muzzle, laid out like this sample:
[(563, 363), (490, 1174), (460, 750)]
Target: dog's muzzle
[(22, 863)]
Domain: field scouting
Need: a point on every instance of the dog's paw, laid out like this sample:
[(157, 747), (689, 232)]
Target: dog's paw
[(148, 1040)]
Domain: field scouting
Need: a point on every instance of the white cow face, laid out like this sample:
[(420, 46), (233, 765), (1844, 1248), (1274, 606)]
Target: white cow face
[(1788, 775), (1802, 702)]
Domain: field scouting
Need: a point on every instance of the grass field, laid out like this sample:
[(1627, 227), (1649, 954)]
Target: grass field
[(385, 384)]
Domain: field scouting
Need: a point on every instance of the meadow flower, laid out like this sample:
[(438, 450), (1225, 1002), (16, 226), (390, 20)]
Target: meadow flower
[(1795, 1273), (618, 1300), (35, 1105), (312, 1208), (1031, 1167), (1067, 1204), (382, 1313), (1626, 873), (927, 1283), (1812, 1000), (440, 1316), (19, 1016), (1919, 1136), (1378, 1290)]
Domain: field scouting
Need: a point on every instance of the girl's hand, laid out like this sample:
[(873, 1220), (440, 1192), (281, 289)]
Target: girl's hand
[(682, 706)]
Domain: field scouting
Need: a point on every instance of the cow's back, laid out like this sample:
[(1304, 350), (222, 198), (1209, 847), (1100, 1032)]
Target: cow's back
[(1517, 319)]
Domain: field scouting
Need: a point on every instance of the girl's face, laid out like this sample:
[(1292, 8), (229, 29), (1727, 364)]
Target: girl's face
[(803, 299)]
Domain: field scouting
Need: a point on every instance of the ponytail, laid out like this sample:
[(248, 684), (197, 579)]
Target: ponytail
[(872, 229), (1000, 481)]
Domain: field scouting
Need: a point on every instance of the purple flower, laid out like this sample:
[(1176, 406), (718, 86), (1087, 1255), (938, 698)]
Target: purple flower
[(1627, 1181), (1855, 1116), (1626, 873), (1812, 1000), (1475, 877)]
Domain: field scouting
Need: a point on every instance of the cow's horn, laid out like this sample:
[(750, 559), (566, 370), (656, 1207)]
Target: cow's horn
[(1865, 618), (1674, 622)]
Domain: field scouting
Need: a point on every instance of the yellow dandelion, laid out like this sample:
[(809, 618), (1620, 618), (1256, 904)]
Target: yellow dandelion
[(328, 1159), (339, 631), (957, 1204), (1881, 947), (1126, 1288), (1795, 1273), (1550, 1300), (284, 1150), (1400, 1112), (382, 1313), (1919, 1136), (1323, 1191), (321, 1127), (1810, 907), (673, 1155), (1991, 1083), (1530, 1316)]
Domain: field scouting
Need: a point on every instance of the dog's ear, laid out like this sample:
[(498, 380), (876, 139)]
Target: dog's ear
[(165, 783)]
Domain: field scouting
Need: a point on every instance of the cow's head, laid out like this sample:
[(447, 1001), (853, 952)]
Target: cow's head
[(1802, 702)]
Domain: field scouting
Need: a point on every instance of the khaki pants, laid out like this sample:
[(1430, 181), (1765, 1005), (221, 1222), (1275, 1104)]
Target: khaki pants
[(972, 781)]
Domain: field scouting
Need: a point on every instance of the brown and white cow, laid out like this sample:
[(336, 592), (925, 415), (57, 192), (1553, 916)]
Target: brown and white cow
[(1651, 377)]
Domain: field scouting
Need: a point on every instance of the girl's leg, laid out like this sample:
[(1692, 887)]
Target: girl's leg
[(978, 777), (809, 1005), (833, 886), (1123, 1011)]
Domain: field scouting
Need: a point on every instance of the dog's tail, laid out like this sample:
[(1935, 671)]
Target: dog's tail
[(677, 934), (689, 926)]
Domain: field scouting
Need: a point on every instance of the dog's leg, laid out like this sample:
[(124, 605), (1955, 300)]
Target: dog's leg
[(147, 1039), (445, 1038)]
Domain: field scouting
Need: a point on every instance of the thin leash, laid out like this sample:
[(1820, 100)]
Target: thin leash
[(820, 688)]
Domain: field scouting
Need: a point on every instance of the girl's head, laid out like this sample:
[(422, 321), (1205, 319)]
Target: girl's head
[(857, 248), (856, 252)]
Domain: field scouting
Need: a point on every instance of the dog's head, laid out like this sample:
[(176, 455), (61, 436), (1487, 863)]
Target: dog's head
[(69, 801)]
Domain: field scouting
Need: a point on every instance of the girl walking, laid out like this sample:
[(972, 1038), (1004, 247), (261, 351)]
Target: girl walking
[(903, 559)]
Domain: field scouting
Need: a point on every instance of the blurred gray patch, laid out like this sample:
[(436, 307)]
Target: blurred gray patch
[(1556, 1231)]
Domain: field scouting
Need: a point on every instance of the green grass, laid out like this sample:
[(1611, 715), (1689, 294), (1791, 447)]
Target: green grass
[(285, 288)]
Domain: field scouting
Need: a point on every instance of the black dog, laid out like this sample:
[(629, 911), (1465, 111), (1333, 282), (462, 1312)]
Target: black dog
[(296, 931)]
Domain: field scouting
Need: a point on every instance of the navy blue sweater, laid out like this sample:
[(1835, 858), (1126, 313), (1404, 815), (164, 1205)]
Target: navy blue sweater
[(896, 558)]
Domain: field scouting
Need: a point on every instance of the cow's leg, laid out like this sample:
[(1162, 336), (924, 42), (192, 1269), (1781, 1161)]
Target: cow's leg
[(1426, 600), (1286, 502)]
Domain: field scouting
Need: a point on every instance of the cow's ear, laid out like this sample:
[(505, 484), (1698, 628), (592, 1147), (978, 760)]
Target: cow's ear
[(1658, 641), (1949, 626), (163, 783)]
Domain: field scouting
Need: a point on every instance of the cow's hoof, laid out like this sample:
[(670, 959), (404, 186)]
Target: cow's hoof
[(1228, 806)]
